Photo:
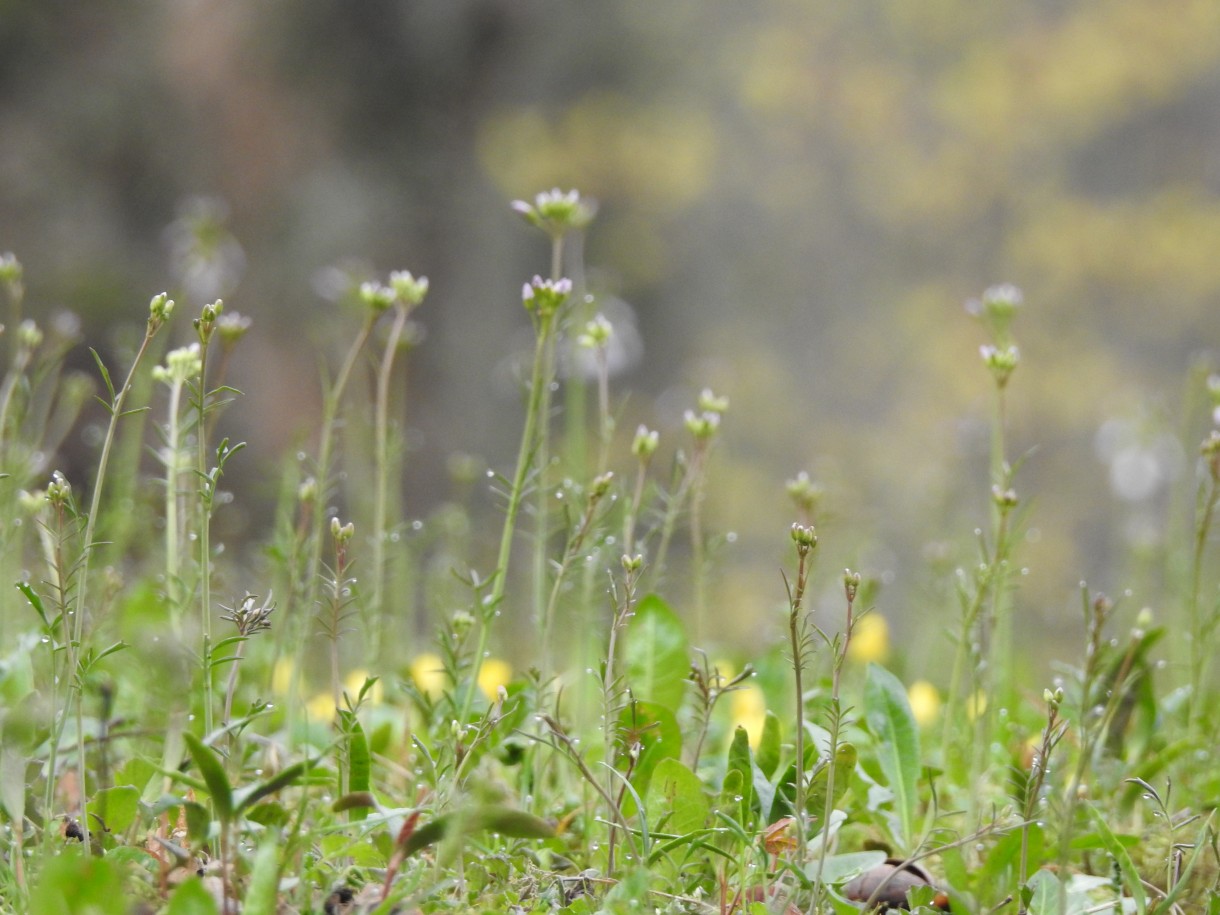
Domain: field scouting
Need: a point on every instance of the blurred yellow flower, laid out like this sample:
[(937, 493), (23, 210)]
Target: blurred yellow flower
[(870, 639), (321, 707), (428, 672), (748, 707), (283, 677), (492, 675), (925, 701)]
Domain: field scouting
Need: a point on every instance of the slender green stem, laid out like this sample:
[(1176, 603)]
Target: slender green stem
[(673, 507), (1200, 652), (330, 410), (852, 582), (542, 460), (76, 678), (805, 541), (575, 542), (173, 532), (525, 453), (381, 456), (610, 693), (207, 492)]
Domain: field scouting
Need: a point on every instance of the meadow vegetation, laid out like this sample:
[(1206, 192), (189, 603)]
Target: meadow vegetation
[(185, 731)]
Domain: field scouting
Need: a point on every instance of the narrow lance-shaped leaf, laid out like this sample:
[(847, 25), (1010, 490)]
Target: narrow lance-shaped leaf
[(359, 767), (889, 717), (246, 797), (213, 772)]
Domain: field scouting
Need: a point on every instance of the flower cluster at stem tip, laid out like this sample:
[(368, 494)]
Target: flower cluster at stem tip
[(403, 289), (597, 333), (704, 424), (545, 297), (645, 443), (556, 212), (181, 365)]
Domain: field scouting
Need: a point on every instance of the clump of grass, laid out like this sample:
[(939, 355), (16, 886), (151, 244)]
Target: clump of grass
[(573, 787)]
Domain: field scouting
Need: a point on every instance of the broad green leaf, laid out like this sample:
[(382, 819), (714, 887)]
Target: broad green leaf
[(80, 884), (676, 801), (845, 767), (198, 821), (660, 738), (1044, 893), (192, 898), (213, 772), (841, 868), (889, 718), (656, 654), (116, 807)]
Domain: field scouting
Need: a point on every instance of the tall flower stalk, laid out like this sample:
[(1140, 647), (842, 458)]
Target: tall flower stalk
[(543, 299), (800, 645), (181, 366), (159, 310), (557, 213), (409, 293)]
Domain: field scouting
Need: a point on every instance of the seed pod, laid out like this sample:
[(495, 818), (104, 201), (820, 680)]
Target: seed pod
[(887, 884)]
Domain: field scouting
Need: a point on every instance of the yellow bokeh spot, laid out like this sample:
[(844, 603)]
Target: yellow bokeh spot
[(492, 675), (870, 640), (283, 677), (748, 707), (428, 672), (321, 707), (925, 701)]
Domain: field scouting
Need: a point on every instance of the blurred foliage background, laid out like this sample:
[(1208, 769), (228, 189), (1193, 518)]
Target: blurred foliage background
[(796, 199)]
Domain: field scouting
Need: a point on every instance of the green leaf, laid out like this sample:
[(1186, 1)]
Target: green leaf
[(264, 880), (79, 884), (841, 868), (116, 807), (359, 766), (12, 783), (676, 801), (1044, 893), (660, 738), (198, 821), (191, 898), (741, 762), (516, 824), (245, 797), (101, 367), (506, 821), (35, 601), (355, 801), (657, 654), (1118, 851), (768, 753), (213, 772), (815, 798), (889, 718)]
